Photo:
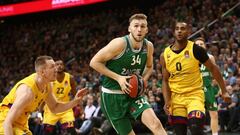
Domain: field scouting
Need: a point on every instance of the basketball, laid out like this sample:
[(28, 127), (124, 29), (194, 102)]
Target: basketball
[(138, 86)]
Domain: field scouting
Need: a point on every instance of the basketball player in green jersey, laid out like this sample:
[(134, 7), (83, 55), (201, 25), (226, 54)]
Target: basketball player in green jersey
[(116, 61), (28, 94), (210, 101)]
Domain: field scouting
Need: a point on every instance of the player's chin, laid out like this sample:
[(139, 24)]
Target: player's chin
[(139, 39), (179, 38)]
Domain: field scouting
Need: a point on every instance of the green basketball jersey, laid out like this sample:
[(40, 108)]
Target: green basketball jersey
[(128, 62), (207, 78)]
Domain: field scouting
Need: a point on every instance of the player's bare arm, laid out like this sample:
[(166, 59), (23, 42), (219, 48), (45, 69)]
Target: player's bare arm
[(149, 66), (165, 87), (57, 107), (24, 96), (113, 49)]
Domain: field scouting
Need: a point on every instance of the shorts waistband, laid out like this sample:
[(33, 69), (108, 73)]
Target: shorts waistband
[(105, 90)]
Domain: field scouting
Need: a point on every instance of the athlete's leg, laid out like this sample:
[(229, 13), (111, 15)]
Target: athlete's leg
[(196, 112), (214, 122), (178, 117), (196, 126), (119, 119), (179, 124), (196, 120), (68, 128), (180, 129), (49, 121), (48, 129), (211, 106), (67, 122), (131, 133), (152, 122)]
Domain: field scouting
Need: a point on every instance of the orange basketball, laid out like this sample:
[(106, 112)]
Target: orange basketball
[(138, 85)]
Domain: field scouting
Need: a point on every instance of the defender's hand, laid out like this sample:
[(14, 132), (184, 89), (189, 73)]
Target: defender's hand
[(81, 93)]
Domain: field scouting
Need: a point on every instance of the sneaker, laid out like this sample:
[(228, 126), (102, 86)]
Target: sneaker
[(207, 129)]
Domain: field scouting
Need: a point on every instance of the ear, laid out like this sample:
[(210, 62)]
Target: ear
[(42, 71), (129, 29)]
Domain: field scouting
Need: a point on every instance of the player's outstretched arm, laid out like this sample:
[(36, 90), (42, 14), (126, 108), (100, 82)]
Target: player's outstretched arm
[(57, 107)]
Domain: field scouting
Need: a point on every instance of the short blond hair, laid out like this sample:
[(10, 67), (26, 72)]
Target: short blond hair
[(41, 61), (139, 16)]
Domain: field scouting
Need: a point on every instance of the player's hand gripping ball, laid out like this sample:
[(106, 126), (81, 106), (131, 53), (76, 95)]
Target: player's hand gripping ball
[(138, 85)]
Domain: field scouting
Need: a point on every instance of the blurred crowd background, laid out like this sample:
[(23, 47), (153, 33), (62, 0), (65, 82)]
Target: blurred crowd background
[(76, 35)]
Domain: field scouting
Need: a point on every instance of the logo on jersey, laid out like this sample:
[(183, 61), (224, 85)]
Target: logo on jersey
[(186, 54)]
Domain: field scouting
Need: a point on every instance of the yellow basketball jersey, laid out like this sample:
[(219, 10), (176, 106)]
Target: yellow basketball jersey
[(38, 99), (184, 70), (61, 90)]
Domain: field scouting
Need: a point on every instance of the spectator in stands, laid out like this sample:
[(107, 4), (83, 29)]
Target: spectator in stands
[(231, 79), (88, 113), (225, 109)]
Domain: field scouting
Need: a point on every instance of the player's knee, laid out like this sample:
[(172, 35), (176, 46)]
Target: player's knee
[(156, 125), (48, 129), (214, 115), (196, 122)]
